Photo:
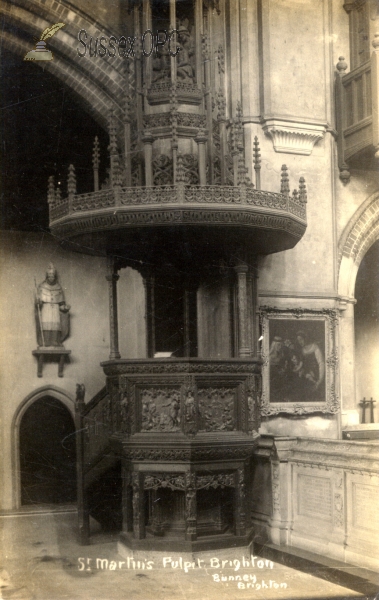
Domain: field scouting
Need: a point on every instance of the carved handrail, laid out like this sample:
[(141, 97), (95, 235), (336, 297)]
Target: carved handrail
[(94, 401), (94, 426), (93, 430), (179, 194)]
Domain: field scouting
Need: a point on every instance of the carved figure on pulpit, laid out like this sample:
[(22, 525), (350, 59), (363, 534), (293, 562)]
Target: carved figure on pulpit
[(190, 503), (186, 56), (149, 415), (174, 410), (190, 407), (52, 312), (161, 63)]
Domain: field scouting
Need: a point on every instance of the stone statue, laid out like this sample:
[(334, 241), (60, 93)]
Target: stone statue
[(52, 312), (161, 64), (185, 64)]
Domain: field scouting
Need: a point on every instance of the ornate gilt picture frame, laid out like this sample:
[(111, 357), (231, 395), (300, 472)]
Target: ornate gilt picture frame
[(299, 361)]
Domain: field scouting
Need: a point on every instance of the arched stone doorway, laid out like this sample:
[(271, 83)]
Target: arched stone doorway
[(47, 453), (359, 235), (366, 324)]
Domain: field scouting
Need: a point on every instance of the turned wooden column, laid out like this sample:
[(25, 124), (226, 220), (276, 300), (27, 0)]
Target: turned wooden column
[(127, 506), (112, 279), (249, 291), (252, 294), (201, 139), (148, 152), (240, 502), (127, 157), (242, 310), (149, 284), (191, 508), (83, 509), (138, 506)]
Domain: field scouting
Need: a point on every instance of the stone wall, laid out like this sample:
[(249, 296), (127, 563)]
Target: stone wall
[(25, 256), (323, 497)]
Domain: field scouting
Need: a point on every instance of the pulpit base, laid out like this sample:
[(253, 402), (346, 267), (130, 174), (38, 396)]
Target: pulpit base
[(129, 546)]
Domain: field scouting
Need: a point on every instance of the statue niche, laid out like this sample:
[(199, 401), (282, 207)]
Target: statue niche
[(186, 56), (51, 311), (161, 62)]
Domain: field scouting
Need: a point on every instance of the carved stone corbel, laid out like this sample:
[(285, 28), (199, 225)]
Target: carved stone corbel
[(293, 137)]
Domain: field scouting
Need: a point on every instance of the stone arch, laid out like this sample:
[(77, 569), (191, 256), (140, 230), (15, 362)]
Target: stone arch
[(48, 390), (358, 236), (98, 82)]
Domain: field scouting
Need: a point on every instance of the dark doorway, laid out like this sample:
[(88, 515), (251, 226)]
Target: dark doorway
[(47, 454), (366, 317)]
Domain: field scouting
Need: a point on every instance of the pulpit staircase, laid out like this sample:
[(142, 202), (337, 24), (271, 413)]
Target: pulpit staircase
[(98, 466)]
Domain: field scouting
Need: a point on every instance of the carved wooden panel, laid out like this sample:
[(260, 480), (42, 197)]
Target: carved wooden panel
[(217, 409), (164, 480), (98, 428), (160, 409), (219, 480)]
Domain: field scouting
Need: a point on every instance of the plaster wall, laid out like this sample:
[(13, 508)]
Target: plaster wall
[(23, 257), (104, 12), (310, 265), (286, 52)]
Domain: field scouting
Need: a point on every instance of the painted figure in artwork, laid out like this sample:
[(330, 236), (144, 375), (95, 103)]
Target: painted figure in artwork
[(313, 360), (52, 312)]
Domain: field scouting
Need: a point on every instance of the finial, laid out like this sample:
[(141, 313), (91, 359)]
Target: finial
[(302, 191), (295, 196), (256, 154), (242, 170), (116, 171), (239, 126), (71, 180), (58, 195), (51, 190), (257, 162), (220, 60), (341, 65), (221, 105), (375, 41), (204, 47), (180, 173), (96, 153), (127, 108), (284, 186), (112, 134)]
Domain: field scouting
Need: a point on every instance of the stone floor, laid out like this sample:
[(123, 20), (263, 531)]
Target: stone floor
[(41, 560)]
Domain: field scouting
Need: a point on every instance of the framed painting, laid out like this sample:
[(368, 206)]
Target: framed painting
[(299, 361)]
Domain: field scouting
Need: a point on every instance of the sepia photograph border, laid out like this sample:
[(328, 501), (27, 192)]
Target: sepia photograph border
[(329, 317)]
